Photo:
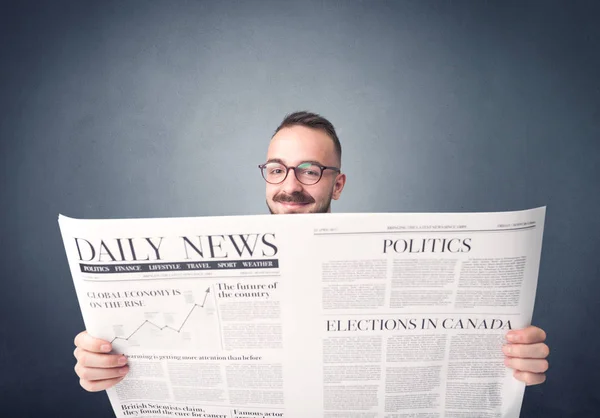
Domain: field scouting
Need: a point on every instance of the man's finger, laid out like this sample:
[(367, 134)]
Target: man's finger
[(90, 359), (98, 385), (527, 365), (530, 378), (89, 343), (93, 374), (529, 335), (538, 350)]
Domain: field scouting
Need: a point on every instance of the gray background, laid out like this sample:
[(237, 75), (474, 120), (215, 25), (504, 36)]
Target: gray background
[(164, 108)]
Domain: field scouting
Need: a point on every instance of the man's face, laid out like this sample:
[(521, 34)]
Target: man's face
[(292, 146)]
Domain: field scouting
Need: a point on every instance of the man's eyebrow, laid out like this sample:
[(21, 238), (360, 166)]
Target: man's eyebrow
[(280, 161), (313, 162), (275, 160)]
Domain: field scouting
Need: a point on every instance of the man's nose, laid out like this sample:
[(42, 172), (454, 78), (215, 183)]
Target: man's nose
[(291, 183)]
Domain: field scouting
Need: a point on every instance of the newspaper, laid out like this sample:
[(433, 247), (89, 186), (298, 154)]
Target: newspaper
[(321, 315)]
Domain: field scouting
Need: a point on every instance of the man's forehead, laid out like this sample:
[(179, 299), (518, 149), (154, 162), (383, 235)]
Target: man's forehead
[(299, 143)]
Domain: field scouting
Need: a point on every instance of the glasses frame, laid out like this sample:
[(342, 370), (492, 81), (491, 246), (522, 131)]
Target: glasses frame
[(287, 171)]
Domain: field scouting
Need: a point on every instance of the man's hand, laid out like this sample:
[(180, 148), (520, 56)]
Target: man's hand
[(526, 353), (97, 370)]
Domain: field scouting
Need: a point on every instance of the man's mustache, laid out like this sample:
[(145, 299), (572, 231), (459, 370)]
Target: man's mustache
[(296, 197)]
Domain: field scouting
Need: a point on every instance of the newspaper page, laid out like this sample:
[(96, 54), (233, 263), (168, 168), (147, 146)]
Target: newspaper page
[(332, 315)]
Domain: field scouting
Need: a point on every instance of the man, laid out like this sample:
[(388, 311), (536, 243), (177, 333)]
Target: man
[(303, 174)]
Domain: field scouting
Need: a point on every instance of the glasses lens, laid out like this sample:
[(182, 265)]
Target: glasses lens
[(308, 173), (274, 172)]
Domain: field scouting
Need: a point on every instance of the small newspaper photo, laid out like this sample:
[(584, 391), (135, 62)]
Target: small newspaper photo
[(393, 315)]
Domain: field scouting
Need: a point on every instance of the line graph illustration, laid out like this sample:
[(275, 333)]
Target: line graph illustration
[(199, 327)]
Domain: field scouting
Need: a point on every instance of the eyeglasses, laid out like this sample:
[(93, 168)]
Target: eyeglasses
[(307, 173)]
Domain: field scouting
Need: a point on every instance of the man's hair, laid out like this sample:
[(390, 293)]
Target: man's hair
[(314, 121)]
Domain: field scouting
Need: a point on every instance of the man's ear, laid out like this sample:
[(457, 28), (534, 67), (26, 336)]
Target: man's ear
[(338, 186)]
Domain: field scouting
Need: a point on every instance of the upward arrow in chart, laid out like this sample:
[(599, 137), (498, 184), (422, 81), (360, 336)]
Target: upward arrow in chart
[(146, 322)]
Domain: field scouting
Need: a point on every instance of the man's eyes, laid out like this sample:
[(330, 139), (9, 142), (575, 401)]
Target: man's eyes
[(309, 171)]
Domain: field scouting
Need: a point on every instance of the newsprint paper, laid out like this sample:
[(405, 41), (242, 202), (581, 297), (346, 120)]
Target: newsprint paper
[(301, 316)]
